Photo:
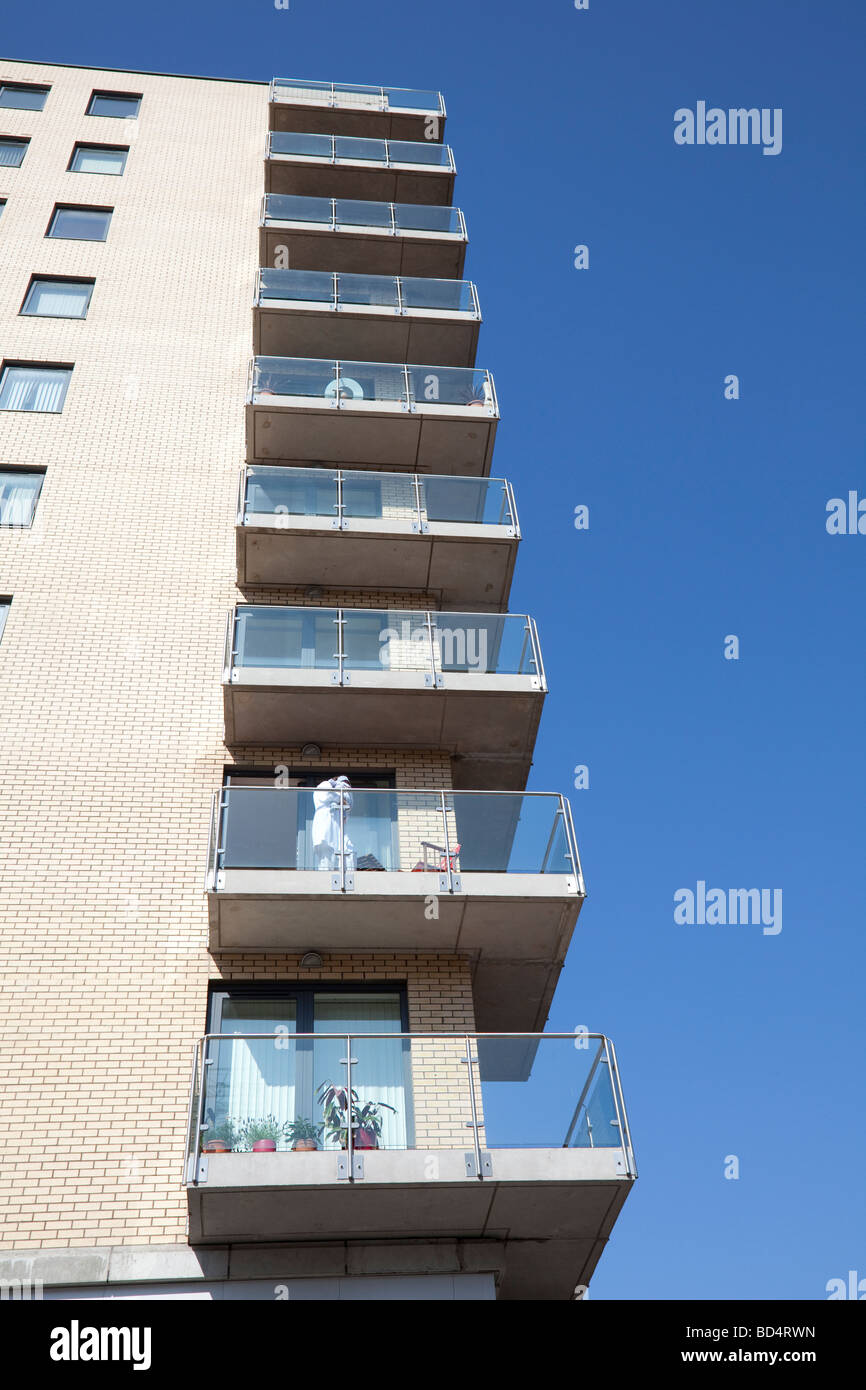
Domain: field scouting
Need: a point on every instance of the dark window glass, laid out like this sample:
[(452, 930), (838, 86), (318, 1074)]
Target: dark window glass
[(23, 97), (118, 104), (19, 492), (80, 224), (58, 299), (12, 152), (98, 159)]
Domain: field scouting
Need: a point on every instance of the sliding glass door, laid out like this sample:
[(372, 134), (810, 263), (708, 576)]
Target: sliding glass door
[(273, 1080)]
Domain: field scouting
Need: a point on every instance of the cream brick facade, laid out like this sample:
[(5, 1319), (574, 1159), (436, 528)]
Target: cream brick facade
[(112, 723)]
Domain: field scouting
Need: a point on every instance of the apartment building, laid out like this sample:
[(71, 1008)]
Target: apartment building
[(281, 924)]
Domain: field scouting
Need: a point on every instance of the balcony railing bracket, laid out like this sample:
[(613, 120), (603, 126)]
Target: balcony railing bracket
[(472, 1169)]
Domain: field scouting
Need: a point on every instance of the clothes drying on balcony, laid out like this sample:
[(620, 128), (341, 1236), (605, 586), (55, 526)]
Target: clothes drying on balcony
[(327, 845)]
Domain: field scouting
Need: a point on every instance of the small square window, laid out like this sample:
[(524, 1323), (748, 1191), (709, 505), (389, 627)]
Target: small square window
[(12, 152), (23, 96), (98, 159), (5, 604), (19, 493), (2, 205), (58, 299), (71, 223), (122, 105), (38, 389)]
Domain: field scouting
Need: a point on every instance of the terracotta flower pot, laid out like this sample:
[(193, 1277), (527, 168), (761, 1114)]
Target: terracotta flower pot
[(217, 1146), (265, 1146), (305, 1146)]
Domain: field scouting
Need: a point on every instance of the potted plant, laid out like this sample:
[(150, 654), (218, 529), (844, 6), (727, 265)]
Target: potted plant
[(263, 1135), (221, 1138), (303, 1134), (366, 1120)]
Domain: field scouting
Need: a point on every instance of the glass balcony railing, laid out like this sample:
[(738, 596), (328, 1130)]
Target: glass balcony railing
[(342, 498), (342, 831), (399, 293), (347, 94), (386, 640), (279, 1090), (341, 213), (354, 149), (345, 384)]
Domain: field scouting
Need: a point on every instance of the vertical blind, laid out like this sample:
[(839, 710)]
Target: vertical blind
[(34, 388)]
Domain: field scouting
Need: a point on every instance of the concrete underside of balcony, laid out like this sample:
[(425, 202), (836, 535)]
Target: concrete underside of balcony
[(464, 568), (540, 1221), (375, 434), (359, 252), (362, 123), (281, 328), (491, 718), (515, 943), (372, 183)]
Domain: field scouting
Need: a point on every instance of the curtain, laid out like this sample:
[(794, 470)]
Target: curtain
[(17, 499), (99, 161), (11, 154), (33, 388), (254, 1077), (55, 299), (382, 1073)]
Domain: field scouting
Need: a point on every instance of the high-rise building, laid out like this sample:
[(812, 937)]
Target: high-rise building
[(264, 578)]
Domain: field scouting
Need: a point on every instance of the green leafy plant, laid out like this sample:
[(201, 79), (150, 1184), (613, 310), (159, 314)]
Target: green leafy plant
[(300, 1129), (227, 1130), (336, 1101), (268, 1127)]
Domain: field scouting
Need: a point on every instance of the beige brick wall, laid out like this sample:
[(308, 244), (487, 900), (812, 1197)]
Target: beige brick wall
[(111, 732)]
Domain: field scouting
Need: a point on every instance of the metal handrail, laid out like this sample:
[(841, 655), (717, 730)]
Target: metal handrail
[(451, 875), (415, 481), (427, 617), (605, 1054), (395, 229), (409, 399), (341, 295), (330, 90), (448, 164)]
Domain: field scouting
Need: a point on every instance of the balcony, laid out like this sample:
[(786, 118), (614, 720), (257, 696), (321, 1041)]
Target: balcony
[(304, 410), (468, 684), (343, 166), (389, 318), (520, 1142), (340, 108), (501, 868), (372, 238), (455, 538)]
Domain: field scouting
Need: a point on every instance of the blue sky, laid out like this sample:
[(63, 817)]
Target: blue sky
[(707, 518)]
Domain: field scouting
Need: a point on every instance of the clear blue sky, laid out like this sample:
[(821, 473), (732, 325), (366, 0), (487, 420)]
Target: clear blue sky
[(707, 517)]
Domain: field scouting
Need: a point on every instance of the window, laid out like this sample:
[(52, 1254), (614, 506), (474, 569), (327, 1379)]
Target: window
[(19, 493), (122, 105), (2, 205), (98, 159), (5, 604), (23, 96), (58, 299), (43, 389), (12, 152), (72, 223), (252, 1078)]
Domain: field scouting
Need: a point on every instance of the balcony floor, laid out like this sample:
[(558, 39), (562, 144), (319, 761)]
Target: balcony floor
[(549, 1212), (281, 328), (371, 183), (514, 928), (462, 567), (353, 251), (373, 434)]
